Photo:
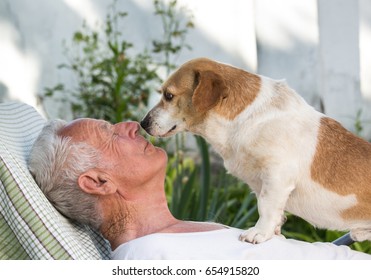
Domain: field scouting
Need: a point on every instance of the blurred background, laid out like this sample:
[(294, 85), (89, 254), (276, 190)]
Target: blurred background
[(321, 47), (105, 59)]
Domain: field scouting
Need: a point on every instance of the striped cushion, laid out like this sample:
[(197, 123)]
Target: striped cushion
[(30, 227)]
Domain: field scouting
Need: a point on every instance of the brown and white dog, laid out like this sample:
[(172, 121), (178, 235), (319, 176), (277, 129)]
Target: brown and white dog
[(293, 157)]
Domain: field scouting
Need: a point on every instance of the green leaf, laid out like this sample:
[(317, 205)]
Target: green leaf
[(78, 37)]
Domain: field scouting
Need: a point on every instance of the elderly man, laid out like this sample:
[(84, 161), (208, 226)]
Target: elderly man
[(111, 178)]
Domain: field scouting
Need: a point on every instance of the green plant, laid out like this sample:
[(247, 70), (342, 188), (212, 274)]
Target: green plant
[(202, 195), (112, 83), (358, 126), (175, 30)]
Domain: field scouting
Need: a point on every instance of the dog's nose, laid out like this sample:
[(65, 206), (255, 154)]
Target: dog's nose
[(146, 122)]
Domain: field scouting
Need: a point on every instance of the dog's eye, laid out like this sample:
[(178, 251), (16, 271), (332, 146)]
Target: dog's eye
[(168, 96)]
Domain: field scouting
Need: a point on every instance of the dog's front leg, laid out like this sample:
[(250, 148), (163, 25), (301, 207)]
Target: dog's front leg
[(271, 204)]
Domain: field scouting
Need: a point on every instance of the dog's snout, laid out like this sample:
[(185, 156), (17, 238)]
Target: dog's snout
[(146, 122)]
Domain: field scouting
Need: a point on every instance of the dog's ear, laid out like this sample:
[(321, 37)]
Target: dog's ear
[(209, 90)]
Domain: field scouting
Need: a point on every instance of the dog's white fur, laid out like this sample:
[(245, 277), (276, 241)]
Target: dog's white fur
[(293, 157)]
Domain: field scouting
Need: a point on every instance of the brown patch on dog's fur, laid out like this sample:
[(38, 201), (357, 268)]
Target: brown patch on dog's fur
[(240, 93), (209, 92), (215, 86), (342, 164)]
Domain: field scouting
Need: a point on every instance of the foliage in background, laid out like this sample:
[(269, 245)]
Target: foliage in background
[(174, 35), (114, 83), (206, 193)]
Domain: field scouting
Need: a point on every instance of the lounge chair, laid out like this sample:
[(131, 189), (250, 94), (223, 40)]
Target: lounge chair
[(30, 227)]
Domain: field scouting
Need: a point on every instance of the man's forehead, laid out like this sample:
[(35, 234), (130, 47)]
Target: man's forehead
[(78, 127)]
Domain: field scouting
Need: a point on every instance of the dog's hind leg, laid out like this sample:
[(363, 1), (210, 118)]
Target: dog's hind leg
[(360, 234), (277, 231)]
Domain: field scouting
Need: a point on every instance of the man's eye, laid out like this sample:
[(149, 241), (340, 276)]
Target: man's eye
[(168, 96)]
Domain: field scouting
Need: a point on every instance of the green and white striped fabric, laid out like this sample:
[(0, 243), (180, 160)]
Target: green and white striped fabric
[(30, 227)]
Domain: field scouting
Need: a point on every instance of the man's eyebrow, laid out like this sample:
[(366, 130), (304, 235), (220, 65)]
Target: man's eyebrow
[(105, 125)]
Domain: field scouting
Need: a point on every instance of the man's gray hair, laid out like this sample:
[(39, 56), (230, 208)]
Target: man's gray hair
[(56, 163)]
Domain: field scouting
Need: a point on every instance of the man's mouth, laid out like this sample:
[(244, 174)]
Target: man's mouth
[(148, 147)]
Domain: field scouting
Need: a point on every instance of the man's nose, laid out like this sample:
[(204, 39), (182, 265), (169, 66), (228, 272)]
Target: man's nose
[(127, 128)]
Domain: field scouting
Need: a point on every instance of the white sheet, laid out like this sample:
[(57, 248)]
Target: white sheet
[(224, 244)]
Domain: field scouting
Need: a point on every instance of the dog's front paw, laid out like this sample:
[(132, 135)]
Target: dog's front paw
[(255, 235)]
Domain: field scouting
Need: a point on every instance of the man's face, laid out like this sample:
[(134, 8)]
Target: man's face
[(127, 157)]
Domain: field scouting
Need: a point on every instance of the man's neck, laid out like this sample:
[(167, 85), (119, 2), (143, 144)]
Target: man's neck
[(137, 219)]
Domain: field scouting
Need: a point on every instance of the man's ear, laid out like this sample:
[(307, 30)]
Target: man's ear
[(94, 182), (210, 89)]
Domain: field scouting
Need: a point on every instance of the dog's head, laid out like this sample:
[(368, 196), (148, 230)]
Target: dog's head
[(197, 88)]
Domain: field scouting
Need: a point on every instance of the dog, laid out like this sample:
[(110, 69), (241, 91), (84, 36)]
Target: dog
[(293, 157)]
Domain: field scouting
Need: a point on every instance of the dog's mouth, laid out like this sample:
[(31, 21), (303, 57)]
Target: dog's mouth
[(170, 132), (172, 129)]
